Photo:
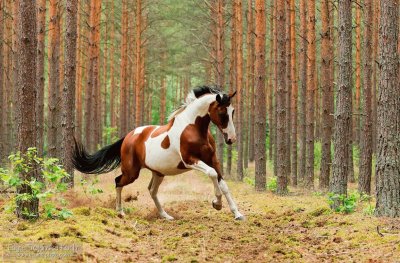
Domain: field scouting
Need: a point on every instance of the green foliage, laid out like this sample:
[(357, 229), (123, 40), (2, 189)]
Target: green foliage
[(46, 189), (369, 210), (110, 134), (348, 203), (272, 184), (249, 180), (91, 186)]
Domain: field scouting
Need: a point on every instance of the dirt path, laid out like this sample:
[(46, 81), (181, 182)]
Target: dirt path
[(298, 227)]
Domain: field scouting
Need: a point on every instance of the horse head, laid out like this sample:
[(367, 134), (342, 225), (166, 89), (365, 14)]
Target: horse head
[(221, 114)]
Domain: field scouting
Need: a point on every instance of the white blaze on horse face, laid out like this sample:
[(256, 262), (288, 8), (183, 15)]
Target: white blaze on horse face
[(230, 129)]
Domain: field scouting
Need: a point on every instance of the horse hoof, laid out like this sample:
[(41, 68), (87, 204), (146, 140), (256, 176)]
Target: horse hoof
[(240, 218), (216, 206)]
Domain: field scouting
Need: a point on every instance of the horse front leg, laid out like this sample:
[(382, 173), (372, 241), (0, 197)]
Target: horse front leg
[(232, 205), (213, 174)]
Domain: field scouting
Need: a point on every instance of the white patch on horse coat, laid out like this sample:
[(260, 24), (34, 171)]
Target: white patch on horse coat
[(140, 129), (166, 161)]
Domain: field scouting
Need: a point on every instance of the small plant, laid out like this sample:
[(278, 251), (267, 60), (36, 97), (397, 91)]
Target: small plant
[(47, 188), (347, 203), (272, 184), (249, 180), (369, 210), (91, 187)]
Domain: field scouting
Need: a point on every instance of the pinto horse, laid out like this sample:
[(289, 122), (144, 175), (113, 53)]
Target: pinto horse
[(184, 143)]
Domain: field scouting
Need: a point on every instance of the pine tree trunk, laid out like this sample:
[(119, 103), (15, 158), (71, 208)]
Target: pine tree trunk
[(310, 117), (288, 90), (260, 129), (239, 89), (2, 94), (294, 97), (271, 82), (303, 91), (251, 104), (220, 37), (327, 93), (376, 10), (112, 68), (138, 52), (123, 112), (68, 94), (388, 123), (338, 184), (281, 96), (364, 179), (232, 76), (54, 79), (41, 30), (357, 104), (26, 88)]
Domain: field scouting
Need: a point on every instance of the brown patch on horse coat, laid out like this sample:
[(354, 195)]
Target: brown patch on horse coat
[(197, 144), (163, 128), (165, 143), (219, 115), (133, 155)]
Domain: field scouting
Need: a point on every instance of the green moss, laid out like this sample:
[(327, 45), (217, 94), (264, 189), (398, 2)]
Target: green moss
[(169, 258), (320, 211), (22, 226), (85, 211)]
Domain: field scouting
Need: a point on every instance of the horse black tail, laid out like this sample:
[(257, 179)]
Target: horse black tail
[(103, 161)]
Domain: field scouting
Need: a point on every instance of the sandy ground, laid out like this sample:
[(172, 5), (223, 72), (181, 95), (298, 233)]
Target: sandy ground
[(295, 228)]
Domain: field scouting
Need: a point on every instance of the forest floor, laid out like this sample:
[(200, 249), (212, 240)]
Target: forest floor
[(299, 227)]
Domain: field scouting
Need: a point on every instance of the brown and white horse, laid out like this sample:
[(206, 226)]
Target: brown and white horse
[(183, 144)]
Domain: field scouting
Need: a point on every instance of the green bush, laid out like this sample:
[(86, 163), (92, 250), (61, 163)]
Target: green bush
[(272, 184), (348, 203), (47, 188)]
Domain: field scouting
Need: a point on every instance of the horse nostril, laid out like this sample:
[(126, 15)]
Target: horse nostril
[(229, 141)]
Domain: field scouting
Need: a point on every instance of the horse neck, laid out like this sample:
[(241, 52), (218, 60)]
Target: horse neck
[(197, 112)]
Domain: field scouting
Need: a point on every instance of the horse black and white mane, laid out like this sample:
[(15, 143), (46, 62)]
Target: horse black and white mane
[(196, 93)]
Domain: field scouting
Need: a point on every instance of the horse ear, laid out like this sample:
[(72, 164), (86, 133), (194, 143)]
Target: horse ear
[(219, 99), (232, 95)]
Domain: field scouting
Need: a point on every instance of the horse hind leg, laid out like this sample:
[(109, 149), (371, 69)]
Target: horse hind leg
[(120, 182), (155, 182)]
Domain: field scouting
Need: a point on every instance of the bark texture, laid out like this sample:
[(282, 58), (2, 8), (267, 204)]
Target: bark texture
[(388, 123), (260, 118), (26, 128), (338, 184)]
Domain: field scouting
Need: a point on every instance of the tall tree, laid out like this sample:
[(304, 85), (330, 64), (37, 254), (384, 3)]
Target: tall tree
[(123, 118), (251, 78), (327, 92), (26, 133), (364, 180), (239, 85), (220, 56), (54, 79), (281, 96), (138, 56), (68, 94), (357, 102), (311, 79), (303, 91), (338, 184), (388, 125), (2, 94), (260, 118), (232, 75), (41, 31), (294, 93)]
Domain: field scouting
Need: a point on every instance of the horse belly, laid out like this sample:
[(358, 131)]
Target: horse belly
[(165, 161)]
